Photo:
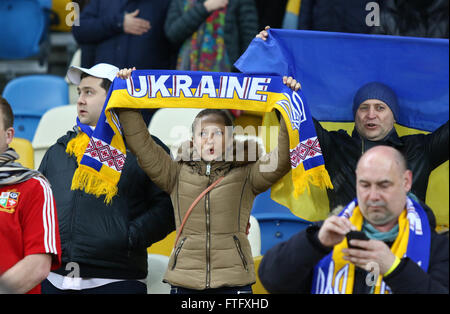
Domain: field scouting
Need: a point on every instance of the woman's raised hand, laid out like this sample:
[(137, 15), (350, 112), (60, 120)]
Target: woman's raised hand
[(125, 73)]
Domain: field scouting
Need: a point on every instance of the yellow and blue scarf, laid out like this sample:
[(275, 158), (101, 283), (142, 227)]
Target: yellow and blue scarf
[(334, 275), (101, 165)]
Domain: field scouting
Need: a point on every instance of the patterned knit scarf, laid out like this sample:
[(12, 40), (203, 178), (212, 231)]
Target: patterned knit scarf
[(205, 49), (77, 147), (12, 172)]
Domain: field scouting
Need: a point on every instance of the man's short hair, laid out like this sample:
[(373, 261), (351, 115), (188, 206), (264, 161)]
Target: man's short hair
[(8, 116), (105, 84)]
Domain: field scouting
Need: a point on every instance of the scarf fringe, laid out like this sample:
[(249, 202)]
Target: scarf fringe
[(87, 179), (77, 146), (317, 176)]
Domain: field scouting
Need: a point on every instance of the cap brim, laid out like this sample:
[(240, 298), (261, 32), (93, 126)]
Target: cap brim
[(74, 74)]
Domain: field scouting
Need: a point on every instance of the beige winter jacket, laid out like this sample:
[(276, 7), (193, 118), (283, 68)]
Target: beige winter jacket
[(213, 250)]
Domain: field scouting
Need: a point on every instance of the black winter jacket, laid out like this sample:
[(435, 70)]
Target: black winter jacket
[(102, 39), (341, 153), (107, 241), (346, 16), (415, 18), (289, 266)]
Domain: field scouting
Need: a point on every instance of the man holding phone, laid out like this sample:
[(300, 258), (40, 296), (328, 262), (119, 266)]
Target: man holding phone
[(396, 250)]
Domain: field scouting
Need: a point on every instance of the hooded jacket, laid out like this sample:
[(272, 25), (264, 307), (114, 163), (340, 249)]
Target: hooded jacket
[(107, 241), (213, 250)]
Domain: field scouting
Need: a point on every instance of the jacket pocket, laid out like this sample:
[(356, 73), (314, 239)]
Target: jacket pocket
[(241, 254), (177, 251)]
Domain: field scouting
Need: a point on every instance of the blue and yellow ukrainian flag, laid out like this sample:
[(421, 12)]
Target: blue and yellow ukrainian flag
[(332, 66)]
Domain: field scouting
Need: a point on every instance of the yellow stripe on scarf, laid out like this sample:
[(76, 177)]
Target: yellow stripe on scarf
[(398, 249)]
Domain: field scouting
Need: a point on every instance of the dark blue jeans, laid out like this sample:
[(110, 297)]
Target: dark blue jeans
[(119, 287), (225, 290)]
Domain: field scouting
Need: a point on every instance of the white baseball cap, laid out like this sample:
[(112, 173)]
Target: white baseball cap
[(101, 70)]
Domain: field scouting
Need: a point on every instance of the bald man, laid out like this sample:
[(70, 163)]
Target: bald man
[(401, 252)]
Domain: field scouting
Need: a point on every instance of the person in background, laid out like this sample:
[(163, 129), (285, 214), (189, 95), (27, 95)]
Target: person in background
[(29, 236), (376, 109), (211, 34), (415, 18), (345, 16), (125, 33)]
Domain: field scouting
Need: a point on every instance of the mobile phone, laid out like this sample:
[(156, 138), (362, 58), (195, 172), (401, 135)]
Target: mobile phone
[(357, 235)]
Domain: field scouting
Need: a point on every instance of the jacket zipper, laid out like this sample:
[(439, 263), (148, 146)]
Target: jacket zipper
[(208, 231), (72, 224), (240, 203), (178, 202), (177, 251), (72, 217), (241, 254)]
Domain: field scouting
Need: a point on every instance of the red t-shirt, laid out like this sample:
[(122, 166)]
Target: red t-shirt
[(28, 224)]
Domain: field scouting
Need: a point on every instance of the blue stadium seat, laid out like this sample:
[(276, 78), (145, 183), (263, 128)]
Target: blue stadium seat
[(25, 125), (276, 221), (47, 4), (22, 25), (36, 93), (31, 96)]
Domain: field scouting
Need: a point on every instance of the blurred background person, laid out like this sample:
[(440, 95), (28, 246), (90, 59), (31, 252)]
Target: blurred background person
[(211, 34)]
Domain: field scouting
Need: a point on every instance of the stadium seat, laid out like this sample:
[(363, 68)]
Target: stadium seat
[(25, 125), (163, 247), (276, 221), (22, 25), (47, 4), (24, 148), (157, 266), (254, 237), (172, 126), (53, 124), (31, 96), (36, 93)]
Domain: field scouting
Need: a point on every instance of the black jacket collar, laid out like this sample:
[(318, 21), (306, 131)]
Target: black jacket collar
[(391, 139)]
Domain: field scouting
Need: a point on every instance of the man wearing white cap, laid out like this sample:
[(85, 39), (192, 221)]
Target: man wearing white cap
[(96, 79), (104, 246)]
